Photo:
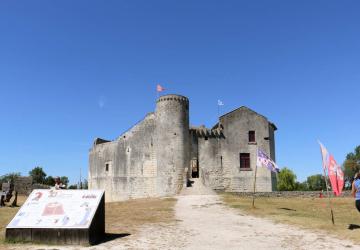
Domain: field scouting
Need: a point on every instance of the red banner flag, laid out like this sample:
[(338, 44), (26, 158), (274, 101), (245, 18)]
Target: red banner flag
[(340, 178), (159, 88), (336, 176), (335, 172), (332, 175)]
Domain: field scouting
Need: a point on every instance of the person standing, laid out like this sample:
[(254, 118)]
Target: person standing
[(59, 184), (355, 190)]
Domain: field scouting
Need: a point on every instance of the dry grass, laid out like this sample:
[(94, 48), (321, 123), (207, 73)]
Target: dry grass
[(128, 216), (121, 217), (6, 215), (310, 213)]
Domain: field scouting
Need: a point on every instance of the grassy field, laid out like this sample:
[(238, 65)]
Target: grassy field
[(6, 214), (311, 213), (121, 217), (128, 216)]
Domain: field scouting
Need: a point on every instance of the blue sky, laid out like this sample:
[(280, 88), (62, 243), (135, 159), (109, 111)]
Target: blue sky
[(71, 71)]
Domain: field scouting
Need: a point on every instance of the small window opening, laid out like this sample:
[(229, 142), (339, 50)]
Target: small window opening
[(244, 161), (252, 136), (107, 167), (221, 161), (206, 138)]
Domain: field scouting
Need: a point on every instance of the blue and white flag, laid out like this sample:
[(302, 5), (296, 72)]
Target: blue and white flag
[(264, 161), (220, 103)]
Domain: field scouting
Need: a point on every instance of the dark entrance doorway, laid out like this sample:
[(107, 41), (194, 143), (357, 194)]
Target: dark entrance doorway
[(194, 168)]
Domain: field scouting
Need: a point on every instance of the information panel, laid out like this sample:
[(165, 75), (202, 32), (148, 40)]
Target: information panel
[(50, 208)]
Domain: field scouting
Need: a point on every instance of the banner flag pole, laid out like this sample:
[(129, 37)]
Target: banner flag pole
[(329, 199), (327, 185), (263, 161), (253, 200)]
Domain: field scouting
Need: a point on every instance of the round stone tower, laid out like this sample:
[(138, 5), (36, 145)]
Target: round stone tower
[(172, 143)]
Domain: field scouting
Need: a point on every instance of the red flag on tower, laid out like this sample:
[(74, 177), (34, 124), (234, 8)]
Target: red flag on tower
[(159, 88)]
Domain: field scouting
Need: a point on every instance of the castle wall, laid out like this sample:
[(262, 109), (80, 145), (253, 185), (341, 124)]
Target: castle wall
[(131, 163), (211, 170), (194, 154), (272, 154), (220, 157), (237, 125)]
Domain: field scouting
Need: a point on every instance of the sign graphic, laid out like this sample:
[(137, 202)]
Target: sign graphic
[(49, 208)]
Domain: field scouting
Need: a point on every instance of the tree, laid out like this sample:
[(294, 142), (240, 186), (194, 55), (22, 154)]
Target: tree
[(10, 177), (49, 180), (73, 186), (64, 180), (316, 182), (286, 180), (301, 186), (351, 166), (85, 184), (38, 175)]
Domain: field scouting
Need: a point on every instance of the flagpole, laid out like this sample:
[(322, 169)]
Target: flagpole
[(329, 199), (253, 200), (327, 191)]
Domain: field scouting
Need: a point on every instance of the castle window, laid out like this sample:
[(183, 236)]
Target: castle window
[(107, 166), (244, 161), (206, 138), (221, 161), (251, 136)]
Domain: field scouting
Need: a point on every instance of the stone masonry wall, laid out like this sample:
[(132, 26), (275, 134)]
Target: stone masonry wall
[(236, 126), (219, 157), (131, 163), (211, 167), (172, 143), (290, 194), (23, 185)]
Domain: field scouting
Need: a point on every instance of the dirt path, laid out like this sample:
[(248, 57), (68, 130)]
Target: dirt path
[(212, 225), (204, 222)]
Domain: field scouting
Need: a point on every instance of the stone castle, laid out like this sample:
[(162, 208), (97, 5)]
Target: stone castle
[(159, 155)]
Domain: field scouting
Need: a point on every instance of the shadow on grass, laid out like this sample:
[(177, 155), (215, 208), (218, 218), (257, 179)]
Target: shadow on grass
[(288, 209), (112, 236), (353, 226)]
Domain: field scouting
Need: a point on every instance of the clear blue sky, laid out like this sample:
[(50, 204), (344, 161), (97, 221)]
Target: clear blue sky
[(71, 71)]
